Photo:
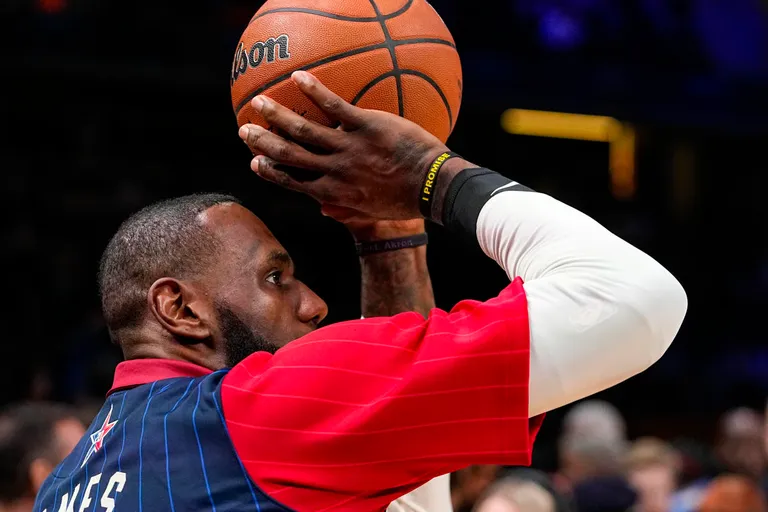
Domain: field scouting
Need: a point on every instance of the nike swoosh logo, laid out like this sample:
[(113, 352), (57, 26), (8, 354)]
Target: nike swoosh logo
[(511, 184)]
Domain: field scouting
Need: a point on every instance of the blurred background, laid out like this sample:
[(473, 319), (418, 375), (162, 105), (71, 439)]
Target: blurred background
[(110, 106)]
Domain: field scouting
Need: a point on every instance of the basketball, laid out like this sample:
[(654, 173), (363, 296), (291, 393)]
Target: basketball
[(391, 55)]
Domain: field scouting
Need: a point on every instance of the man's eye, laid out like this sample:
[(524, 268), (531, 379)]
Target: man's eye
[(275, 278)]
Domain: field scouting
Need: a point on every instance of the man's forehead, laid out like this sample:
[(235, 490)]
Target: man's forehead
[(235, 223)]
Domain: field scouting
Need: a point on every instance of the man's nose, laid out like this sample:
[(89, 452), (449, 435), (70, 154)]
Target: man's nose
[(312, 308)]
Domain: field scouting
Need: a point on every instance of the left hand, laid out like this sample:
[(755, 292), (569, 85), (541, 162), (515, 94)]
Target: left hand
[(367, 229)]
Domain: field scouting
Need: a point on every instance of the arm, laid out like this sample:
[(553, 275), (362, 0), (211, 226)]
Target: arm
[(357, 413), (600, 310), (395, 281), (387, 404)]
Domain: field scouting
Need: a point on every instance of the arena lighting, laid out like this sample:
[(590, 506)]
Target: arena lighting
[(620, 136)]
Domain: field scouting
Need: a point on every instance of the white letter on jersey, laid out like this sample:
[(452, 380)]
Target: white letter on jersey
[(87, 494), (117, 480), (66, 504)]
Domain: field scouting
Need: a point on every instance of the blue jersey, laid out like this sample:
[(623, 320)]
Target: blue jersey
[(156, 447)]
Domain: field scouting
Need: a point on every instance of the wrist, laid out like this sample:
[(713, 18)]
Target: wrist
[(466, 196), (391, 245), (450, 170), (386, 230)]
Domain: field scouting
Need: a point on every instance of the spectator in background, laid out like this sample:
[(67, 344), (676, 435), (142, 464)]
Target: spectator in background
[(739, 449), (765, 431), (562, 502), (652, 467), (468, 484), (592, 449), (511, 494), (696, 461), (740, 446), (733, 493), (34, 438), (592, 442), (765, 449)]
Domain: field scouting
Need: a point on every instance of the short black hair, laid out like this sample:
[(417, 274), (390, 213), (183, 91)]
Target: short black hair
[(165, 239), (26, 434)]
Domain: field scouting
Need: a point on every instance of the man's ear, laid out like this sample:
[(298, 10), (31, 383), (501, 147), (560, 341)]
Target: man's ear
[(180, 309)]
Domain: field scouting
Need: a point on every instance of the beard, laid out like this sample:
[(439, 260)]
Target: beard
[(239, 340)]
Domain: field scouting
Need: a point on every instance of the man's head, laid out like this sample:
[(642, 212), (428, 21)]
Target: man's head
[(201, 278), (593, 441), (34, 438), (652, 467), (740, 442), (595, 418), (513, 495)]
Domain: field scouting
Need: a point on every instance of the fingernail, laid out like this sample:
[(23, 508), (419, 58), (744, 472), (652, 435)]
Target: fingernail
[(258, 103), (301, 77), (244, 132), (255, 165)]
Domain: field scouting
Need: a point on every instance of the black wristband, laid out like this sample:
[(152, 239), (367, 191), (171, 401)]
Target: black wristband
[(426, 194), (394, 244), (466, 196)]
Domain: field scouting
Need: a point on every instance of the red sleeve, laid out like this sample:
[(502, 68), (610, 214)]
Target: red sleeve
[(358, 413)]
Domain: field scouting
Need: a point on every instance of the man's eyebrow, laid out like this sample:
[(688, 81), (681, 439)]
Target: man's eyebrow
[(279, 256)]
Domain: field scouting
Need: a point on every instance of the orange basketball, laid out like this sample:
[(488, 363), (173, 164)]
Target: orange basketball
[(392, 55)]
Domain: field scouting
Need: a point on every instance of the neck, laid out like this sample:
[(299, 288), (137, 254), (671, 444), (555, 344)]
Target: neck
[(142, 345), (20, 505)]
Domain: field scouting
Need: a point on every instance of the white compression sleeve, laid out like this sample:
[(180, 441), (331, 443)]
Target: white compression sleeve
[(600, 310)]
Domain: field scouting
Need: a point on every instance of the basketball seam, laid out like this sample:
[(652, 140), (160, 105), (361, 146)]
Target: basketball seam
[(340, 17), (395, 66), (411, 72), (333, 58), (436, 86), (370, 85)]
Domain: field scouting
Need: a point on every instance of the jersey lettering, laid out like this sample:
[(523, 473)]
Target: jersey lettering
[(68, 505), (87, 494), (116, 483), (117, 480)]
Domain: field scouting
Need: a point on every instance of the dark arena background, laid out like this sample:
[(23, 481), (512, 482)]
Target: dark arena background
[(108, 106)]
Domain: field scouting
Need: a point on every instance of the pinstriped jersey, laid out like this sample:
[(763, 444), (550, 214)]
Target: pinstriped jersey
[(347, 418), (155, 447)]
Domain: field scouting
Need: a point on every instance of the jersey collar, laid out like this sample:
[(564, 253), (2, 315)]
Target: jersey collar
[(136, 372)]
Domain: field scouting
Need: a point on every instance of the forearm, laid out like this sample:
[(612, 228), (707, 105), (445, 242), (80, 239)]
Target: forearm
[(600, 310), (396, 281)]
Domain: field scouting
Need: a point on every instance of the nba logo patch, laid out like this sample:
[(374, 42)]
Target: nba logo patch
[(97, 438)]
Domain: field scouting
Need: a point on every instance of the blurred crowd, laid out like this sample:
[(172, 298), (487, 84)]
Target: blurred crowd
[(599, 468)]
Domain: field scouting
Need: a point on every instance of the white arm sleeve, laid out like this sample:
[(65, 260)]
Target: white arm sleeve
[(600, 310)]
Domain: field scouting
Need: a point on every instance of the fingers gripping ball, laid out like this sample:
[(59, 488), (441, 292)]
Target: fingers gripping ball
[(391, 55)]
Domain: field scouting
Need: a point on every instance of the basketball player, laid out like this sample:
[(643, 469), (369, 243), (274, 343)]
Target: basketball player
[(232, 398)]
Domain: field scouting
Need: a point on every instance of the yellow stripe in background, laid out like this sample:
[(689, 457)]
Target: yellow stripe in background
[(562, 125)]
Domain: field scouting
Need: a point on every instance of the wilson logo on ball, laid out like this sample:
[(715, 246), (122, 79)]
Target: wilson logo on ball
[(270, 50)]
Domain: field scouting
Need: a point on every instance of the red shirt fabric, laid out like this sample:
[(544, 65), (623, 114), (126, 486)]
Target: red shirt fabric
[(380, 403)]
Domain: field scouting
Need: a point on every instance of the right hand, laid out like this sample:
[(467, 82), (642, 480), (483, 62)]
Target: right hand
[(374, 164)]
